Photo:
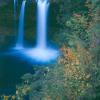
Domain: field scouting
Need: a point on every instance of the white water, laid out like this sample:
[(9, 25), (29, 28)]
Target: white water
[(19, 43), (14, 9), (42, 52), (42, 13)]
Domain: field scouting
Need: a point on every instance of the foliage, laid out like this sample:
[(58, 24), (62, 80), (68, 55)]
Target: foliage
[(66, 80), (76, 75)]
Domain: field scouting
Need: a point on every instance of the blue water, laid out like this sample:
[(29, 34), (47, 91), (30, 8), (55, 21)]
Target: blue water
[(19, 43), (15, 63), (15, 15), (42, 53), (42, 13), (15, 4), (12, 67)]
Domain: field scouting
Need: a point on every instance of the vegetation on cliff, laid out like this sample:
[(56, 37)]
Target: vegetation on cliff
[(76, 74)]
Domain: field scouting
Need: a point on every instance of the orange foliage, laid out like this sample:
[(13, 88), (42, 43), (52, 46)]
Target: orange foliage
[(68, 56)]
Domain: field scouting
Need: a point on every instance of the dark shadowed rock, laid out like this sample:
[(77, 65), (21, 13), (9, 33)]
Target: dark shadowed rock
[(3, 2)]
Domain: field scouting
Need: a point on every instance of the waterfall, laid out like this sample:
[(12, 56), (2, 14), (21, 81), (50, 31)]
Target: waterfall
[(42, 52), (14, 9), (19, 43), (15, 24), (42, 12)]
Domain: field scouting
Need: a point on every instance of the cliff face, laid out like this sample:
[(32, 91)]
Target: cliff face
[(2, 2)]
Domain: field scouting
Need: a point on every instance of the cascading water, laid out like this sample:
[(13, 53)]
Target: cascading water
[(15, 24), (15, 8), (42, 12), (42, 52), (19, 43)]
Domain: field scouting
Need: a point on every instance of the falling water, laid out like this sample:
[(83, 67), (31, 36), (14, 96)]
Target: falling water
[(42, 12), (15, 9), (15, 24), (20, 37), (42, 52)]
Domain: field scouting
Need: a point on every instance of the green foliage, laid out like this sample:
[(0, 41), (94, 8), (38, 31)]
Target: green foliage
[(76, 75)]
